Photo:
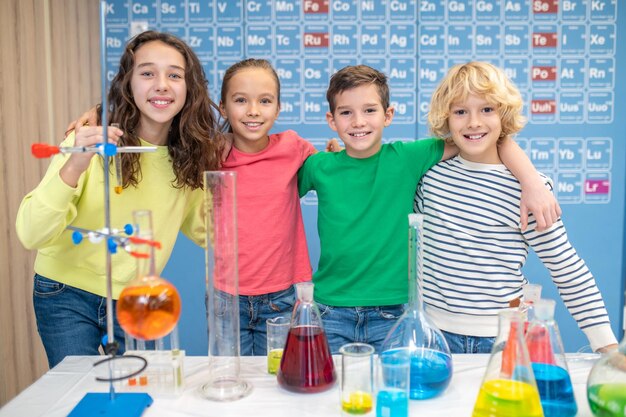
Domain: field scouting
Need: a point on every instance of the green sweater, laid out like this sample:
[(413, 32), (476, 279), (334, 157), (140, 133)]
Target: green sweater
[(362, 220), (46, 211)]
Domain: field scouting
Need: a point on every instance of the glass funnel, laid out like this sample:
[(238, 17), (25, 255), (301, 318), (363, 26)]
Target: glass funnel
[(547, 357), (606, 385), (431, 361), (222, 288), (508, 387), (149, 306), (307, 365)]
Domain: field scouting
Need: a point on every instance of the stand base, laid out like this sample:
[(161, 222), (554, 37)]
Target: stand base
[(101, 405), (226, 389)]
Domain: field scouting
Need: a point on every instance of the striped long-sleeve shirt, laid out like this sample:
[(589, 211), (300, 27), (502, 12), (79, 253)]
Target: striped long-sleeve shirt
[(474, 251)]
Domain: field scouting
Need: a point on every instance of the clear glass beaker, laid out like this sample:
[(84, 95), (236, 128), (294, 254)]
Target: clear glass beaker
[(547, 357), (606, 385), (149, 306), (357, 378), (222, 286), (277, 331), (508, 387), (393, 381), (307, 365), (431, 361)]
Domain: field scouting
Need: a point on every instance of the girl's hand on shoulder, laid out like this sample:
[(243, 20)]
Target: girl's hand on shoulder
[(86, 136)]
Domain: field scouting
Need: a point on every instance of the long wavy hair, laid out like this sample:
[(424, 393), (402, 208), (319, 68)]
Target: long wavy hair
[(194, 142)]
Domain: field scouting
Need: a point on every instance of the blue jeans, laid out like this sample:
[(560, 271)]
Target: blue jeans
[(71, 321), (358, 324), (254, 310), (459, 343)]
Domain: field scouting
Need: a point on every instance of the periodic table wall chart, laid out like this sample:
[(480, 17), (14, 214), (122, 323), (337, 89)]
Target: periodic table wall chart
[(565, 56)]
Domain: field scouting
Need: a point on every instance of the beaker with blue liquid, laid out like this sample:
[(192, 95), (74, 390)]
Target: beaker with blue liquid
[(430, 358)]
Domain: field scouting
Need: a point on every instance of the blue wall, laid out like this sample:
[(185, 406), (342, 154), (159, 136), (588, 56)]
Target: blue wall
[(564, 56)]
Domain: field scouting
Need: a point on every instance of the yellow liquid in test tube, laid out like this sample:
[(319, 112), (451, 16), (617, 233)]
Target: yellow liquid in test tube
[(273, 360), (504, 397), (117, 161), (358, 402)]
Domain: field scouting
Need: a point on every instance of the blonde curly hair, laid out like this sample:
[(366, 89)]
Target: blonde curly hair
[(482, 79)]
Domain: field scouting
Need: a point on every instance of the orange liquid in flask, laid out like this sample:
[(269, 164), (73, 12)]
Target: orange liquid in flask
[(149, 311)]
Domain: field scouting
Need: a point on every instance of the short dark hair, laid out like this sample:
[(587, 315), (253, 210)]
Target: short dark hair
[(355, 76)]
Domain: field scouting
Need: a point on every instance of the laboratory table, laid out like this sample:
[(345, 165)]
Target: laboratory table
[(57, 392)]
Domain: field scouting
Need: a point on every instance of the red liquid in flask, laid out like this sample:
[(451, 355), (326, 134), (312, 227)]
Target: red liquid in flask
[(149, 312), (307, 365)]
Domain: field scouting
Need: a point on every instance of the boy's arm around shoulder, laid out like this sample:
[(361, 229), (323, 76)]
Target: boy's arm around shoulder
[(536, 197)]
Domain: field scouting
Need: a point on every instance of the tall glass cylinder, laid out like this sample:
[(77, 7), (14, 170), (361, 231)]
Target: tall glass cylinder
[(222, 286)]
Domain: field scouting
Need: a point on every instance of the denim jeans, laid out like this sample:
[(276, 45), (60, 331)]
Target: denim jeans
[(254, 310), (71, 321), (358, 324), (459, 343)]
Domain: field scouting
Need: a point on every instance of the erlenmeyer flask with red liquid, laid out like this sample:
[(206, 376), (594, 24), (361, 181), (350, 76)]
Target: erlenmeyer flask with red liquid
[(148, 307), (307, 365)]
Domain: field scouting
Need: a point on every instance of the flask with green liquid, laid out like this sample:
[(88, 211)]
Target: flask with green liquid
[(606, 385)]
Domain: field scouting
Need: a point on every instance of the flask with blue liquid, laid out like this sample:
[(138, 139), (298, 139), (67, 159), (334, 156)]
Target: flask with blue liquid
[(547, 358), (430, 358)]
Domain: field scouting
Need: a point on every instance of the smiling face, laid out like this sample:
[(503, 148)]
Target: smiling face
[(159, 89), (359, 119), (475, 127), (251, 105)]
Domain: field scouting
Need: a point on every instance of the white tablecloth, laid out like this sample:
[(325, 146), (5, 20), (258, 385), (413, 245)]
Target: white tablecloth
[(57, 392)]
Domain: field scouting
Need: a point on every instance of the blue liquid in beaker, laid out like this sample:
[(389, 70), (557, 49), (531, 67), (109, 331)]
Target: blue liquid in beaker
[(431, 371), (555, 390), (392, 402)]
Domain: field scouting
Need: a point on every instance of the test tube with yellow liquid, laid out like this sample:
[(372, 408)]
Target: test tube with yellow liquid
[(117, 162)]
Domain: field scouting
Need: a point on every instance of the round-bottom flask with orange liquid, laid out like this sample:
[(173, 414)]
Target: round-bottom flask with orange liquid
[(149, 311), (149, 307)]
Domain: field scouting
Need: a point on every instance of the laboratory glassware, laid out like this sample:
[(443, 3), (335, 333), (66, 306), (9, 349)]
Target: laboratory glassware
[(508, 387), (307, 365), (606, 384), (393, 381), (149, 306), (222, 288), (547, 358), (357, 378), (277, 330), (431, 361)]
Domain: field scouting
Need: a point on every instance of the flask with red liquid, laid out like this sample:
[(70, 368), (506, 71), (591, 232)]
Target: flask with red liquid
[(307, 365)]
